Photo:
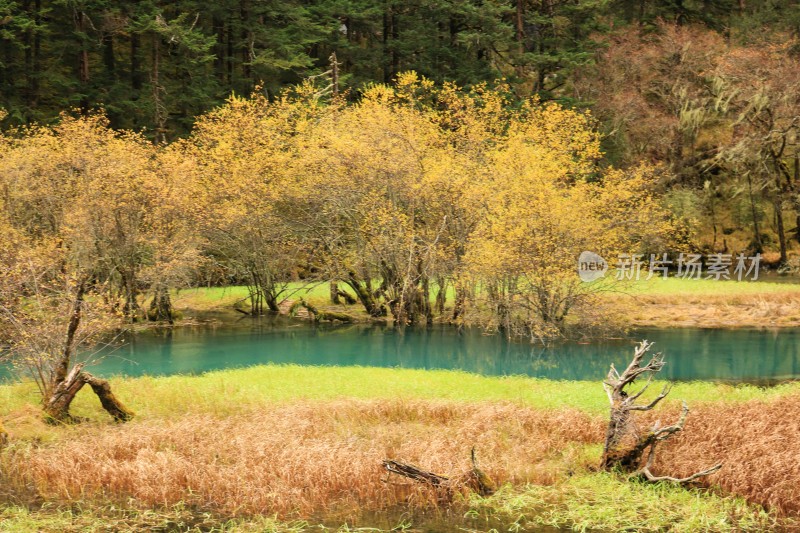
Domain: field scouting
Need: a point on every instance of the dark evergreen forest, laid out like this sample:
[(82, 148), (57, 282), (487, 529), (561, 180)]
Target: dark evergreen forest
[(157, 65)]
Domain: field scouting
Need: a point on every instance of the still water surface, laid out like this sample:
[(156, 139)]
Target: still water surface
[(692, 354)]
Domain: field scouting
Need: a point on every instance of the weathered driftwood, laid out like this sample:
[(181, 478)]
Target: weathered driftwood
[(318, 315), (474, 479), (414, 472), (624, 448)]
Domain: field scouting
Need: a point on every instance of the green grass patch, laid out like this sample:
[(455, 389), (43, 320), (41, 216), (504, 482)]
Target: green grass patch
[(88, 517), (658, 286), (607, 502), (231, 391)]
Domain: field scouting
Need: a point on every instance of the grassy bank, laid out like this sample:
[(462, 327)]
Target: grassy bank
[(646, 303), (284, 448), (706, 303)]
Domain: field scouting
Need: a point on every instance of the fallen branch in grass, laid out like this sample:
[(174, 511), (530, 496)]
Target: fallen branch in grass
[(624, 448), (413, 472), (474, 479)]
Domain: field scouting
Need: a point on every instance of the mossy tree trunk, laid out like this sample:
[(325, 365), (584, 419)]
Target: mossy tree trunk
[(334, 291), (318, 315), (364, 294), (68, 379), (337, 295), (57, 406), (161, 306)]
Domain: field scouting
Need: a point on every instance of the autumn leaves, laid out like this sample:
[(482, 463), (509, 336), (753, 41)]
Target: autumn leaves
[(417, 194)]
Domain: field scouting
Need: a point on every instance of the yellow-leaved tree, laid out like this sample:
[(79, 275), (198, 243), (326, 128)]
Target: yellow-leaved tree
[(371, 200), (242, 156), (545, 200)]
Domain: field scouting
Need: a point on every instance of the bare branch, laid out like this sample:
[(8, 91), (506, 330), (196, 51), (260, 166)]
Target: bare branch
[(641, 391), (645, 471), (667, 431), (664, 392), (707, 472)]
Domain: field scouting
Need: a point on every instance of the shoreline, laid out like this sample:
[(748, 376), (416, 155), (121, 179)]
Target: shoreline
[(669, 304)]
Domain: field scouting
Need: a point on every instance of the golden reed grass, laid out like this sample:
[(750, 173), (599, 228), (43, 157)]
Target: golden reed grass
[(759, 443), (311, 458), (305, 458)]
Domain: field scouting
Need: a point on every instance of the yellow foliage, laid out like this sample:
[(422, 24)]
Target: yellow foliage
[(415, 186)]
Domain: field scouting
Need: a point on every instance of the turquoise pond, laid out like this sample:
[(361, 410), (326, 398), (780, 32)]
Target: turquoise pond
[(743, 355)]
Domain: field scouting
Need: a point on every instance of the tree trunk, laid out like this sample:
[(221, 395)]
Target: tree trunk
[(57, 406), (756, 231), (337, 294), (136, 73), (781, 230), (425, 296), (320, 316), (334, 289), (66, 382), (272, 302), (62, 368), (161, 306), (625, 446), (365, 296), (110, 403), (109, 62), (459, 306), (441, 295)]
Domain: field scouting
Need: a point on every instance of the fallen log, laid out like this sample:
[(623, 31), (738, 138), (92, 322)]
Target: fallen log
[(413, 472), (474, 479), (57, 406), (318, 315)]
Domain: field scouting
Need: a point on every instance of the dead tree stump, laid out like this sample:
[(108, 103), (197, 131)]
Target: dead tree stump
[(625, 447)]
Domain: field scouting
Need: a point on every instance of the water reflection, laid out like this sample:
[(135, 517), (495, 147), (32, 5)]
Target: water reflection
[(730, 355)]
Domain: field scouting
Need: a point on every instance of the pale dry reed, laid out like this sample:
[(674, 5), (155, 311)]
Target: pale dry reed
[(305, 458)]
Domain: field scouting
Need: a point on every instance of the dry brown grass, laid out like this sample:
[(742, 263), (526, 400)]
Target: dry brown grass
[(316, 458), (305, 458), (704, 310), (759, 443)]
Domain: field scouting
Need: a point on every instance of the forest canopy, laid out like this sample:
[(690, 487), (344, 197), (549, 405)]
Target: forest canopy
[(435, 159), (414, 191)]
